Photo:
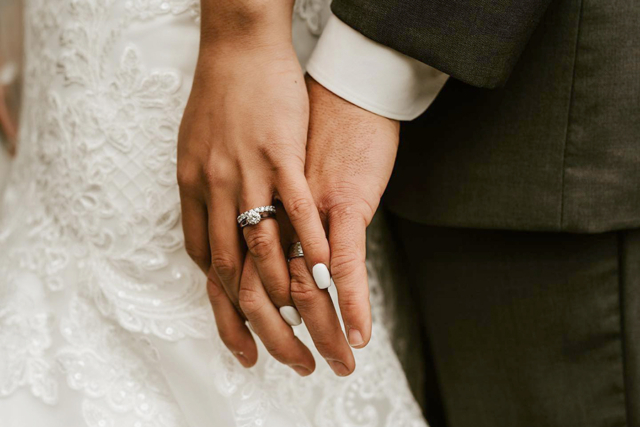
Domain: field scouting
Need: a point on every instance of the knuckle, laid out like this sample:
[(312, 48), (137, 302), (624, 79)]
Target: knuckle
[(347, 209), (275, 148), (214, 289), (299, 207), (298, 269), (341, 194), (344, 263), (188, 177), (314, 247), (250, 301), (302, 292), (212, 178), (198, 254), (269, 151), (333, 201), (339, 208), (225, 266), (218, 175), (279, 293), (260, 243), (352, 300)]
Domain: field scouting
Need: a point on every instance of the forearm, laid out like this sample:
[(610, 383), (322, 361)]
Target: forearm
[(246, 24)]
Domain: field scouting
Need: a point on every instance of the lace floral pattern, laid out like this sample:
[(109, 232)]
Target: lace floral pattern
[(25, 331), (108, 367), (97, 294)]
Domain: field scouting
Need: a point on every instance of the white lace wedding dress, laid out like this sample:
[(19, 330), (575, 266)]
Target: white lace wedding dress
[(104, 321)]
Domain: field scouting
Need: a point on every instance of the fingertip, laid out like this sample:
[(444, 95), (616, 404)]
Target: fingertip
[(307, 357), (303, 371), (355, 309), (340, 368), (245, 361), (356, 338), (249, 350), (231, 328), (242, 346)]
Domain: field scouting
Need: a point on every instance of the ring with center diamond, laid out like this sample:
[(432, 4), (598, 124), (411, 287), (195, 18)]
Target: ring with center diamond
[(255, 215)]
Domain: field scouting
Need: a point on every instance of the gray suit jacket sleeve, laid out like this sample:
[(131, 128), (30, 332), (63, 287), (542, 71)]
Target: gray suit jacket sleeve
[(475, 41)]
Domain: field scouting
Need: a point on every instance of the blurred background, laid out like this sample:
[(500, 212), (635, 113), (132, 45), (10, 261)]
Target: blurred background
[(11, 37)]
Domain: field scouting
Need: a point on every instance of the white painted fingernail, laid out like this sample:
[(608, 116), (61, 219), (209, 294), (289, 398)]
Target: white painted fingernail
[(322, 276), (332, 282), (290, 315)]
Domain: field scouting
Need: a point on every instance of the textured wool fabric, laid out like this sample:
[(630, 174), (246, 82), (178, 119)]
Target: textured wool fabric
[(476, 41), (556, 149), (529, 329)]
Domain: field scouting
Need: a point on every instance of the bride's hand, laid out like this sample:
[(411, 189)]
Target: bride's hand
[(242, 144)]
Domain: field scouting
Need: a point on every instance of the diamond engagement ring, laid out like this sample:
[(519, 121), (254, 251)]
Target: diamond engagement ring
[(295, 251), (255, 215)]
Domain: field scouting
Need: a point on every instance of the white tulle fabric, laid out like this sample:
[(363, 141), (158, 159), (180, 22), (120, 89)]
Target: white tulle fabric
[(104, 321)]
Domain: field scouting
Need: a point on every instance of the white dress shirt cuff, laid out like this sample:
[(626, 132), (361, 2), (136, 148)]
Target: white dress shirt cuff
[(371, 75)]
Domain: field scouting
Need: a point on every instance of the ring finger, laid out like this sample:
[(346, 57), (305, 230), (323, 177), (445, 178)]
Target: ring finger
[(263, 244)]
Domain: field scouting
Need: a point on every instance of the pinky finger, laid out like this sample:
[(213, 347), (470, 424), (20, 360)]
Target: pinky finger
[(231, 327)]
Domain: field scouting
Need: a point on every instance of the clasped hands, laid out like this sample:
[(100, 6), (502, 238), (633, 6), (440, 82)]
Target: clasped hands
[(255, 132)]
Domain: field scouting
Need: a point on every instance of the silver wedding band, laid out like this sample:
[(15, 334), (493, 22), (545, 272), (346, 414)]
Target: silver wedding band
[(255, 215), (295, 251)]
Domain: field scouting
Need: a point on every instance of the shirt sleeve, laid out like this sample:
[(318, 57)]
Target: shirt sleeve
[(371, 75)]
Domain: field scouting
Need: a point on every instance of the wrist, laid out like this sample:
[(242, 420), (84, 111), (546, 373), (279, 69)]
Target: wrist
[(245, 24), (330, 100), (225, 64)]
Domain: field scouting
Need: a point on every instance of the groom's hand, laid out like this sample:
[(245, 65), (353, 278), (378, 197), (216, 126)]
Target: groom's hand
[(350, 156)]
